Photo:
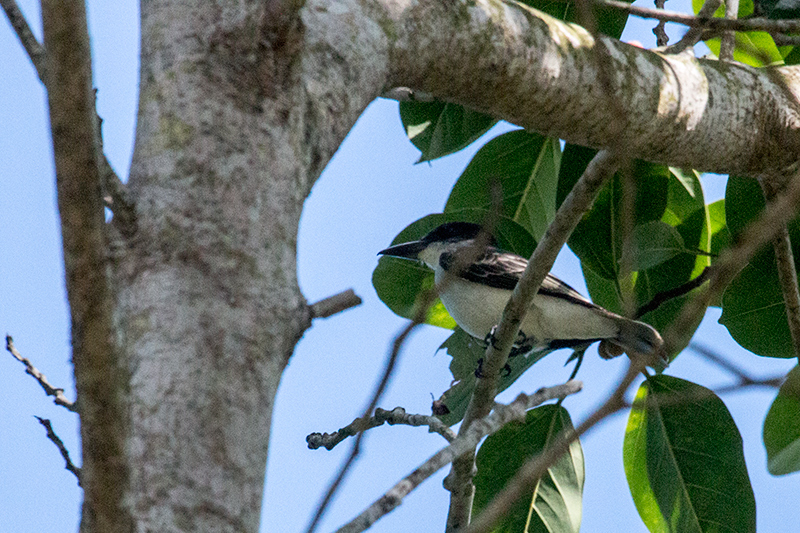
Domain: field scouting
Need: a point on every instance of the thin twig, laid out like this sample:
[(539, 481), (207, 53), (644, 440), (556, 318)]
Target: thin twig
[(695, 33), (537, 466), (335, 304), (677, 292), (579, 200), (396, 416), (61, 448), (56, 392), (743, 377), (753, 24), (32, 46), (728, 41), (501, 415)]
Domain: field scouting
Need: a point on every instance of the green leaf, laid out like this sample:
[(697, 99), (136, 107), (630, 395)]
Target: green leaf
[(438, 129), (597, 240), (399, 282), (652, 243), (782, 428), (610, 21), (684, 461), (465, 351), (525, 166), (753, 48), (557, 505), (754, 312), (753, 302), (720, 236)]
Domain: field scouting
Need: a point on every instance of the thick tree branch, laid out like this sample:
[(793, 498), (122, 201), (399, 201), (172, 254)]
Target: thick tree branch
[(579, 200), (549, 82), (97, 377), (56, 392), (502, 415)]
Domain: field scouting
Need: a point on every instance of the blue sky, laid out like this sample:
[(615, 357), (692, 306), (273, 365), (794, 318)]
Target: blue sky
[(370, 191)]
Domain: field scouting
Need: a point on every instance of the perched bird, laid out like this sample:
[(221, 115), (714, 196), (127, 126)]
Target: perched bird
[(481, 278)]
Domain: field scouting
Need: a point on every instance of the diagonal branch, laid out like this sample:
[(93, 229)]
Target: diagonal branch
[(116, 195), (579, 200), (731, 261), (35, 50), (97, 377), (466, 441), (50, 390), (787, 272)]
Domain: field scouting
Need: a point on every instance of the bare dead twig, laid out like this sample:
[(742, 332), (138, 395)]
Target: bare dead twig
[(396, 416), (707, 22), (501, 415), (579, 200), (61, 448), (56, 392), (335, 304)]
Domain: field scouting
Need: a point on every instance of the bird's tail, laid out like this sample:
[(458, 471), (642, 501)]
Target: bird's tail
[(636, 339)]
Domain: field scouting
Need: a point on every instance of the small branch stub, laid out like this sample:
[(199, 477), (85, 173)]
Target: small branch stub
[(335, 304)]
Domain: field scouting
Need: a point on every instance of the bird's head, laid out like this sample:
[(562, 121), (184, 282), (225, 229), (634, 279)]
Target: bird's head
[(448, 237)]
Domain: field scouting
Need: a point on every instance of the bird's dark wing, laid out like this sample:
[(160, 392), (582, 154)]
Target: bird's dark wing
[(503, 270)]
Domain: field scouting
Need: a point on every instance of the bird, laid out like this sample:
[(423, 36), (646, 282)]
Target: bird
[(481, 278)]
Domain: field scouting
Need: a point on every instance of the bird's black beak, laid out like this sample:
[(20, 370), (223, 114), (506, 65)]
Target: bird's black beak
[(408, 250)]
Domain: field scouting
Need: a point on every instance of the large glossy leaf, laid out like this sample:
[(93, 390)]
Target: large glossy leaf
[(466, 351), (782, 428), (399, 282), (525, 167), (753, 309), (597, 240), (438, 129), (684, 461), (557, 506)]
